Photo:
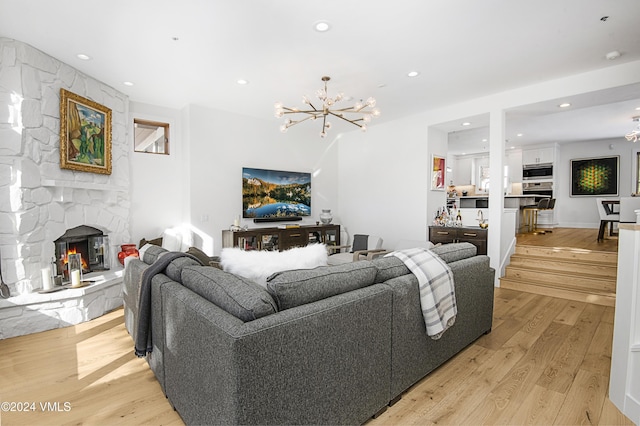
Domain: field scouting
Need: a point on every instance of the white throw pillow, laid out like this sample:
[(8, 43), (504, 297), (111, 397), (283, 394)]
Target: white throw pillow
[(259, 265)]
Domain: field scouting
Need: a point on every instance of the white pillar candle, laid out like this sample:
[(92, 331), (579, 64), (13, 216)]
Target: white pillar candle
[(47, 284), (236, 221), (75, 277)]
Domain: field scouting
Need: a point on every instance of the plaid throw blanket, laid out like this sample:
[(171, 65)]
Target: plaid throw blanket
[(437, 292)]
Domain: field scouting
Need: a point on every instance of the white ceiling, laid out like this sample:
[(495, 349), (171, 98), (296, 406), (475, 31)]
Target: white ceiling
[(193, 51)]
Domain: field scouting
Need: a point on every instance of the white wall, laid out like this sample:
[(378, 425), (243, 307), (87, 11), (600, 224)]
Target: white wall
[(199, 183), (159, 184), (384, 179), (221, 143), (581, 212)]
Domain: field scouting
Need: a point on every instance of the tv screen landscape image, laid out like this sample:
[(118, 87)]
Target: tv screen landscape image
[(275, 194)]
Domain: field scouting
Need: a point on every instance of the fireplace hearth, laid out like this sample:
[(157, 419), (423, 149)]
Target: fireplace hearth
[(92, 245)]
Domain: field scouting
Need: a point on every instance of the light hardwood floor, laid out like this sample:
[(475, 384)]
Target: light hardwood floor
[(546, 361)]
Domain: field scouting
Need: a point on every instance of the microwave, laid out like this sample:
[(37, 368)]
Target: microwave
[(537, 171)]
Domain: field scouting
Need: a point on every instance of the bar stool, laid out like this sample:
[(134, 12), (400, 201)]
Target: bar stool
[(552, 204), (530, 215)]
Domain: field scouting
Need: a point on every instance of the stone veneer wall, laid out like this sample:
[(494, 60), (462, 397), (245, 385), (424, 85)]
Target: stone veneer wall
[(38, 199)]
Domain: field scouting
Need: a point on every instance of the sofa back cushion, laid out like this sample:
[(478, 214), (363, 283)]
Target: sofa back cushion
[(455, 251), (174, 269), (149, 253), (298, 287), (238, 296), (388, 268)]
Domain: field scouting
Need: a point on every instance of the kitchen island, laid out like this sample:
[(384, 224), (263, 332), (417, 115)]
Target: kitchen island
[(472, 206), (510, 201)]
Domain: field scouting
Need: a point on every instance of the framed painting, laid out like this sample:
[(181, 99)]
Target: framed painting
[(438, 169), (595, 176), (85, 134)]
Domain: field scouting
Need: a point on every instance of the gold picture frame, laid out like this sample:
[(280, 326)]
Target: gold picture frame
[(85, 134)]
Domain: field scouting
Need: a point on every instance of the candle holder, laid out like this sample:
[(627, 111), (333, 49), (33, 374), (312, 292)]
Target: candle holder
[(74, 263)]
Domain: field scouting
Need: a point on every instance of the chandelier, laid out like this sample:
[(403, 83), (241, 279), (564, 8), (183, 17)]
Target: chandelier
[(634, 135), (328, 107)]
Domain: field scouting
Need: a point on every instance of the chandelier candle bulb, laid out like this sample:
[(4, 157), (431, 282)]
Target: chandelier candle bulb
[(326, 109)]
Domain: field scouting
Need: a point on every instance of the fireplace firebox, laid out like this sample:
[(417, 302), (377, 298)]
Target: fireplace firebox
[(92, 245)]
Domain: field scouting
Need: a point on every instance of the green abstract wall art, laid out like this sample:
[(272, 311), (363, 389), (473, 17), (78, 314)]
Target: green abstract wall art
[(595, 176)]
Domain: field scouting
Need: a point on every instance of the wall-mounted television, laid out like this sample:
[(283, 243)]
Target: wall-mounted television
[(275, 194)]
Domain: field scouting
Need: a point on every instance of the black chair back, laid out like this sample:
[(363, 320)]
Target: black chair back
[(543, 204), (552, 203)]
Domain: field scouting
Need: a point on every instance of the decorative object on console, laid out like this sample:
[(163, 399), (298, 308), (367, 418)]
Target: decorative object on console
[(275, 195), (127, 250), (325, 216), (85, 134), (326, 109), (595, 176)]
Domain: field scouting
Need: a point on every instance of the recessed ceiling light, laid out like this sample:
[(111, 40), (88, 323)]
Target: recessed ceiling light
[(484, 140), (638, 109), (127, 83), (83, 56), (413, 73), (322, 26), (519, 135), (565, 105), (242, 81), (513, 147), (466, 123)]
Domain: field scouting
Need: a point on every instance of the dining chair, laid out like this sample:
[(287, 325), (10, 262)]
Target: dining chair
[(605, 218), (361, 246)]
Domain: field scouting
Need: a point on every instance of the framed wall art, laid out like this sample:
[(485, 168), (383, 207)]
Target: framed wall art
[(438, 170), (85, 134), (595, 176)]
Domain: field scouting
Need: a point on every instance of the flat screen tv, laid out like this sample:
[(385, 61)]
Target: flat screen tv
[(275, 194)]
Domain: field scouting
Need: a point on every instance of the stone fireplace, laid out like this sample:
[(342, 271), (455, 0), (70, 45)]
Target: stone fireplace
[(40, 202), (92, 245)]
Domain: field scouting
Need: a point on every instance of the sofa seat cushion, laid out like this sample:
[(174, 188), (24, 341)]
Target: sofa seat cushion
[(455, 251), (238, 296), (258, 265), (298, 287)]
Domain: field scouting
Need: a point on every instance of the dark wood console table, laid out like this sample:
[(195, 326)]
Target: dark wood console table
[(278, 239), (471, 234)]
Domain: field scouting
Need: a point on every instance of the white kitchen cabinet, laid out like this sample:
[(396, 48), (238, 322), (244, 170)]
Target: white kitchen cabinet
[(538, 156), (462, 171), (514, 162)]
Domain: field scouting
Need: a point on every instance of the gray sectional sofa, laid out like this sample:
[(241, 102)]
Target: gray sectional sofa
[(330, 345)]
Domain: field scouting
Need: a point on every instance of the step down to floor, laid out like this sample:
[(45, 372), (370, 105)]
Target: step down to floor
[(605, 257), (562, 279), (591, 269), (604, 299), (568, 273)]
